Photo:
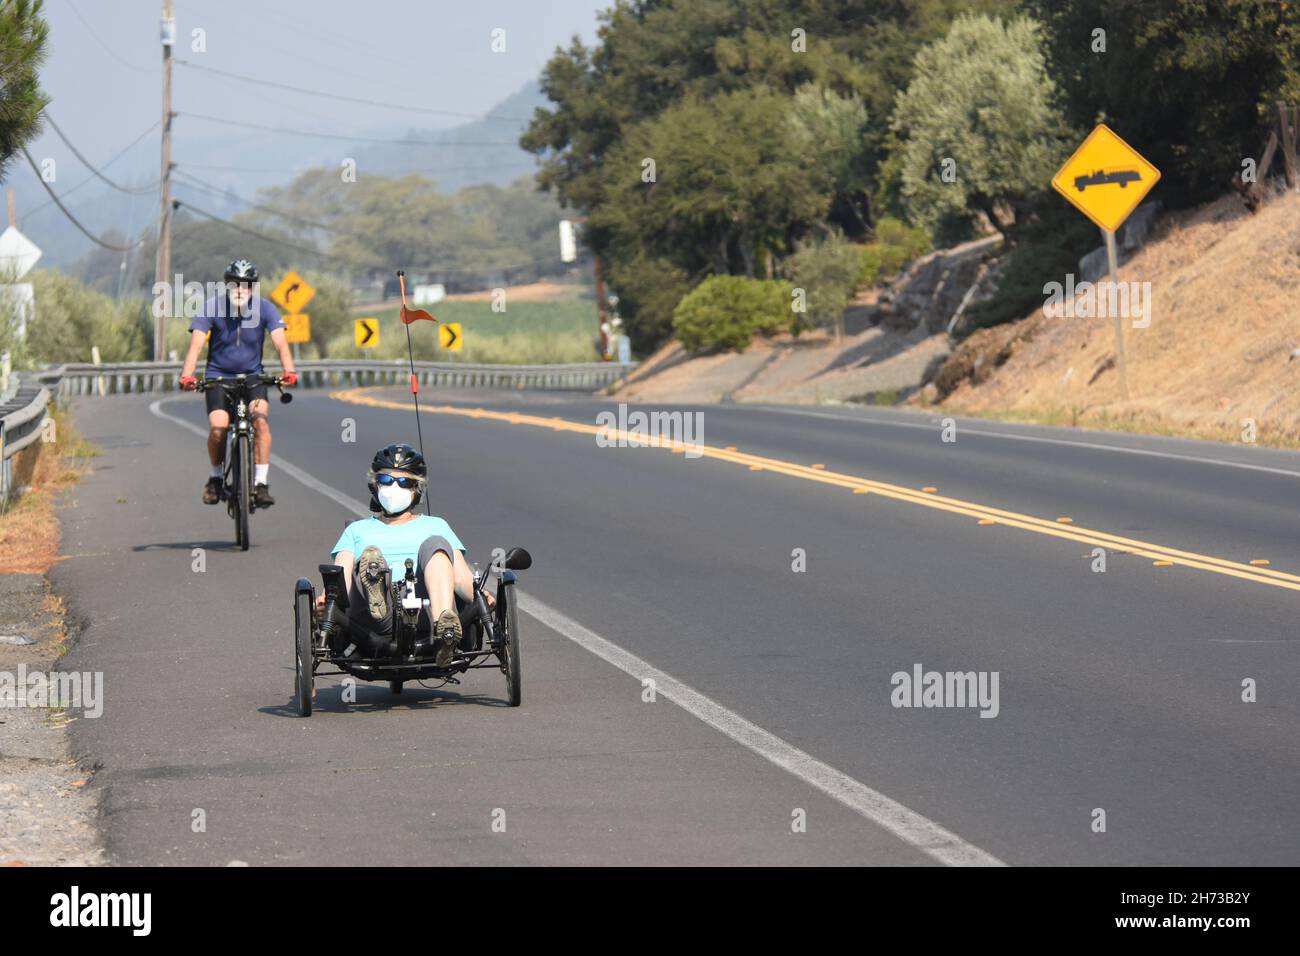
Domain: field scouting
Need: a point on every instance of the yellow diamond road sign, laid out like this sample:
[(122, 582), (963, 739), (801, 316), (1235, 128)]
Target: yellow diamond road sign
[(293, 293), (297, 327), (449, 336), (366, 333), (1106, 178)]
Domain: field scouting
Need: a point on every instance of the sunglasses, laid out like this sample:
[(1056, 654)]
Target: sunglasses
[(400, 482)]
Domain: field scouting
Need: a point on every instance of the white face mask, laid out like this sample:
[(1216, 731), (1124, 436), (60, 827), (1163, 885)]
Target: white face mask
[(394, 499)]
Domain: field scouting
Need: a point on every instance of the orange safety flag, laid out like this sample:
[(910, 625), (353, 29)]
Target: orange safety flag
[(412, 315)]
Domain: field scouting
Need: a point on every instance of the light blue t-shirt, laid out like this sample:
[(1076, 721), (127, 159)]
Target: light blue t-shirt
[(397, 541)]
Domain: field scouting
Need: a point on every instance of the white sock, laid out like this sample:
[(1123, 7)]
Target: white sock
[(259, 473), (218, 471)]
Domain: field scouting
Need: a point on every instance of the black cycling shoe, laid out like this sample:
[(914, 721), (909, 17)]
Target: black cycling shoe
[(262, 497), (212, 492)]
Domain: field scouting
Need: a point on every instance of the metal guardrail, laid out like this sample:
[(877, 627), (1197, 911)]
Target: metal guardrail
[(126, 378), (22, 417)]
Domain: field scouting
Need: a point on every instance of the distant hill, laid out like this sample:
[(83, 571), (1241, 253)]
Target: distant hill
[(457, 166), (256, 160)]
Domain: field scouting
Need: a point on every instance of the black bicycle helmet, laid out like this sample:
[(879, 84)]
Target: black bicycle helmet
[(401, 457), (241, 270), (398, 456)]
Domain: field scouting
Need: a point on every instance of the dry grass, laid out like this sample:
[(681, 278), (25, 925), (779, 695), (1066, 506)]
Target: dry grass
[(532, 292), (543, 291), (1224, 321), (29, 528)]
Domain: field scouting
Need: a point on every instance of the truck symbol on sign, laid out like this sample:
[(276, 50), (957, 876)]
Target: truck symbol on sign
[(1122, 177)]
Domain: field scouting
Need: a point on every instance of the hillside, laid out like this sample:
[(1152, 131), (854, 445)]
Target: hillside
[(1223, 346), (1224, 326)]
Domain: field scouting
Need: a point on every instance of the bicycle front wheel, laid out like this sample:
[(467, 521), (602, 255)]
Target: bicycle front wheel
[(242, 475)]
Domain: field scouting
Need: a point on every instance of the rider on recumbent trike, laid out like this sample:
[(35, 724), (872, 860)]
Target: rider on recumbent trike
[(373, 551)]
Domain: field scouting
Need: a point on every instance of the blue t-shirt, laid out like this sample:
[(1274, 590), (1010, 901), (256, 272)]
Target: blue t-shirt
[(397, 541), (236, 345)]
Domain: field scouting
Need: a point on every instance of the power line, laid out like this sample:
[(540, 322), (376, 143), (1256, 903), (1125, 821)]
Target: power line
[(85, 162), (177, 204), (437, 270), (523, 162), (349, 99), (71, 218), (344, 42), (208, 187), (353, 139), (107, 49), (120, 153)]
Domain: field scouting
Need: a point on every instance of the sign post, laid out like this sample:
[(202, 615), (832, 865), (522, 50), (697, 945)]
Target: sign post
[(1106, 179), (1112, 260)]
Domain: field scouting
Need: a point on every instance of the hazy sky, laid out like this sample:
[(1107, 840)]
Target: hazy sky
[(103, 74)]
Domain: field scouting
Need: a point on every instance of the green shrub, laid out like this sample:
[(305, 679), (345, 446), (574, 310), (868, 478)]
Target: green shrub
[(726, 311), (827, 271), (1046, 247), (70, 318), (896, 244)]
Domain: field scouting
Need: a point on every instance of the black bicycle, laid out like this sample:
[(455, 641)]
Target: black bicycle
[(237, 484)]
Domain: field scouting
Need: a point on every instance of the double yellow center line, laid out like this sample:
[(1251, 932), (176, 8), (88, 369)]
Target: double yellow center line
[(983, 513)]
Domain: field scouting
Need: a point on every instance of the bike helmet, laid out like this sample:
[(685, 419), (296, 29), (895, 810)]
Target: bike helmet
[(241, 270), (398, 456)]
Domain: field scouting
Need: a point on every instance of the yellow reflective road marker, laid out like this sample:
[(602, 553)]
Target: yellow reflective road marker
[(1009, 519)]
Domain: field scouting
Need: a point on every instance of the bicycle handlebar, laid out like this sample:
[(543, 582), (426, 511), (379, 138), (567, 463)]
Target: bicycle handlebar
[(203, 384)]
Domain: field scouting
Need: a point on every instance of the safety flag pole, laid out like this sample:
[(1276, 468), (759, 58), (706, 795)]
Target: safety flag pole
[(409, 316)]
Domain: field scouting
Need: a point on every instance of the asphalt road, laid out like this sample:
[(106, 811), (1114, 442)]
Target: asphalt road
[(1118, 691)]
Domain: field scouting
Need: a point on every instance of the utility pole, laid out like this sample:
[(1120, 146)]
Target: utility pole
[(162, 272), (602, 338)]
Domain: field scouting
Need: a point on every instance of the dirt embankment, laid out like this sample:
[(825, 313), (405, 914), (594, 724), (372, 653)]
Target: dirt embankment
[(895, 336), (1220, 358), (874, 365)]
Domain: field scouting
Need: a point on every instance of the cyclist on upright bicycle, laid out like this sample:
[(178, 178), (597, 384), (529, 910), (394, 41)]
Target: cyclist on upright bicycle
[(238, 321)]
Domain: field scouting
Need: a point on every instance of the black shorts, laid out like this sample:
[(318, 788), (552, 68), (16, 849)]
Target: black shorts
[(221, 398)]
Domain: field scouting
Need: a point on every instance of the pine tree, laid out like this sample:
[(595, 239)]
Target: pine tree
[(23, 34)]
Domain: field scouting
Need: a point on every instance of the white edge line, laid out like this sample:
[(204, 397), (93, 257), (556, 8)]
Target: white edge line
[(1099, 446), (908, 825)]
